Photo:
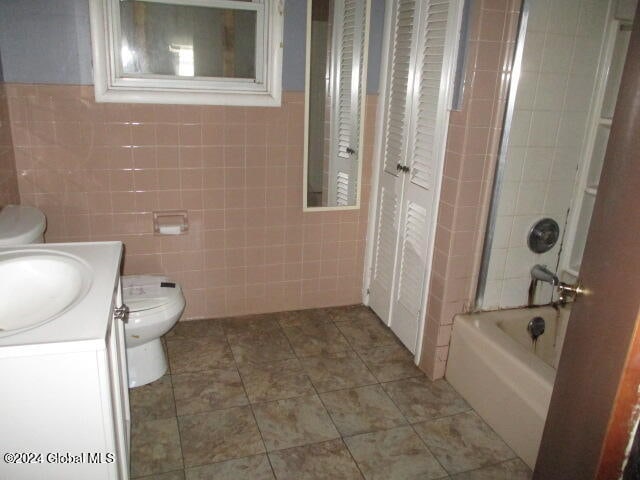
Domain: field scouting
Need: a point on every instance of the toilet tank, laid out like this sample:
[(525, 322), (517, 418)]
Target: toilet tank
[(20, 225)]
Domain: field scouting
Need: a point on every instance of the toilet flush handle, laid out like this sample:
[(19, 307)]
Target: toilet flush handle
[(121, 313)]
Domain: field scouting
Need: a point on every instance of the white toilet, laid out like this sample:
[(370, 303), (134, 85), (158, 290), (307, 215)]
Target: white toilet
[(21, 225), (155, 305)]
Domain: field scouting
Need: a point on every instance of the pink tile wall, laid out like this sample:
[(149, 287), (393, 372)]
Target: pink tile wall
[(98, 171), (8, 179), (472, 146)]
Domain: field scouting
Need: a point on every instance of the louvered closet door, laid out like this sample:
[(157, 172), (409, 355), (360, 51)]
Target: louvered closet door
[(426, 137), (348, 42), (416, 118), (396, 120)]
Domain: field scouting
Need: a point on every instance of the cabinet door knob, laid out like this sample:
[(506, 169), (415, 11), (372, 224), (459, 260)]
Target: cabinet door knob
[(121, 313)]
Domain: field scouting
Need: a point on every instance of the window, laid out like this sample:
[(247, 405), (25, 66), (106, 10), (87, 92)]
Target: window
[(217, 52)]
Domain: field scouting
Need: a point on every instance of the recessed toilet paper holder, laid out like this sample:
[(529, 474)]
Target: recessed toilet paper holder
[(170, 222)]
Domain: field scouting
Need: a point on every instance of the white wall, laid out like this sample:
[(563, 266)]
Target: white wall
[(559, 66)]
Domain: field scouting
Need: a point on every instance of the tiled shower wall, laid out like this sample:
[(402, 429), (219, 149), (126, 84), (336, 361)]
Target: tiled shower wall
[(471, 154), (98, 171), (559, 66), (8, 180)]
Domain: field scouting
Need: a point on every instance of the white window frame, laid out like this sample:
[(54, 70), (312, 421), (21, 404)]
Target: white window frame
[(113, 86)]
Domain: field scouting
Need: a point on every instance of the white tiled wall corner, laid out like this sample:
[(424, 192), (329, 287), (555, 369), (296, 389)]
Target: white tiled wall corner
[(547, 134)]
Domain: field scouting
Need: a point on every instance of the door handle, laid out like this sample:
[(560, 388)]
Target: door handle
[(402, 168), (568, 292)]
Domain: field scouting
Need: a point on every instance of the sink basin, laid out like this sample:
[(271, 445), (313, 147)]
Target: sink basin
[(36, 286)]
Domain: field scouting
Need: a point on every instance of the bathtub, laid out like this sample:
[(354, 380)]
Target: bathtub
[(505, 376)]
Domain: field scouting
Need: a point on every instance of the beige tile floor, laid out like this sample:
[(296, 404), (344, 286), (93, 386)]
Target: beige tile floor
[(314, 394)]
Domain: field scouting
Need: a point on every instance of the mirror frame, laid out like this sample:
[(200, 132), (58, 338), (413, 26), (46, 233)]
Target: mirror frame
[(307, 81)]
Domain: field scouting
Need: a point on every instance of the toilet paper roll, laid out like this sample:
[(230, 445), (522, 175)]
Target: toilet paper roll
[(170, 230)]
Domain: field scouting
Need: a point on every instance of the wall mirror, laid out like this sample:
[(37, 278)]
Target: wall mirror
[(187, 51), (337, 45)]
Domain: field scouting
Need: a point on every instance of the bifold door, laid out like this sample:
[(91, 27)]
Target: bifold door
[(421, 59)]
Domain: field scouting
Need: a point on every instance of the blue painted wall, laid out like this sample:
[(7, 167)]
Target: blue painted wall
[(44, 41)]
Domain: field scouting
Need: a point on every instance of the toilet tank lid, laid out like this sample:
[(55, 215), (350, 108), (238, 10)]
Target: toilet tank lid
[(144, 292), (20, 224)]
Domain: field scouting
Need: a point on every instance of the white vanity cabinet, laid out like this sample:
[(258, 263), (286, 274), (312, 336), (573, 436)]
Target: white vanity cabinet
[(64, 405)]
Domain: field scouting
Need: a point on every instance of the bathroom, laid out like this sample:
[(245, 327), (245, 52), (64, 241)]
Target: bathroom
[(336, 329)]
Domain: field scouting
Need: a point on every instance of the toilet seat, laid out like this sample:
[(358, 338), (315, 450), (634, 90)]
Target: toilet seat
[(146, 296)]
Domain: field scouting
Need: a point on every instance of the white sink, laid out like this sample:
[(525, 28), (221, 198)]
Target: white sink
[(37, 286)]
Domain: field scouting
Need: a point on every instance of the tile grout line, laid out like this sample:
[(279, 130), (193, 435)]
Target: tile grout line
[(253, 413), (327, 410), (175, 407)]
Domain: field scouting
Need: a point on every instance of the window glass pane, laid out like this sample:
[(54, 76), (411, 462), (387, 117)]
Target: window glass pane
[(187, 41)]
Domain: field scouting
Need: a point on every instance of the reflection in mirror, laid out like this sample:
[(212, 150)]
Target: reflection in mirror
[(336, 63), (187, 41)]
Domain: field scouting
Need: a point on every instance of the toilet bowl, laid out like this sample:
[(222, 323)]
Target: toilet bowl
[(21, 225), (155, 305)]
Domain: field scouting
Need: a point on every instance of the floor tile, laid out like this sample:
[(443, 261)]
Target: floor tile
[(278, 362), (394, 454), (220, 435), (256, 467), (250, 324), (198, 354), (422, 399), (294, 422), (275, 381), (360, 410), (152, 401), (320, 461), (336, 371), (510, 470), (177, 475), (155, 447), (210, 390), (393, 362), (197, 329), (366, 332), (463, 442), (260, 346), (300, 317), (312, 337)]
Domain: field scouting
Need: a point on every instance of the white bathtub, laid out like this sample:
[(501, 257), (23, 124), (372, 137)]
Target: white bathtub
[(495, 366)]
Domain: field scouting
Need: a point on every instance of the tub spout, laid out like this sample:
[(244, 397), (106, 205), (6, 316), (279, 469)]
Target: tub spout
[(542, 274)]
